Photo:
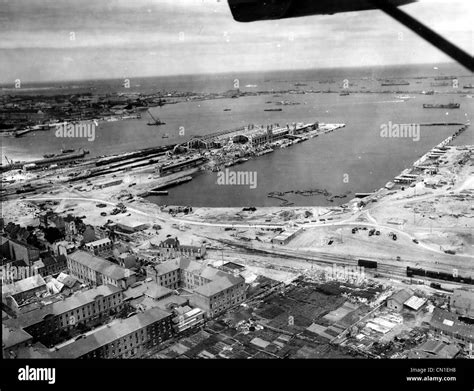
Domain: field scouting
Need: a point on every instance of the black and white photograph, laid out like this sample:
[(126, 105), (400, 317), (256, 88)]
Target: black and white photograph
[(231, 184)]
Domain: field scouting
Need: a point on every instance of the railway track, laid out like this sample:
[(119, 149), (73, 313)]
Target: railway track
[(323, 259), (385, 269)]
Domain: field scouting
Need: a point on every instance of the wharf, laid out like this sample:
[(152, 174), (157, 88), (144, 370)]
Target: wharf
[(172, 183)]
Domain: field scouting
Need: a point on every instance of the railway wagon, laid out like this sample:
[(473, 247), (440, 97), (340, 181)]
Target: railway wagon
[(439, 275), (368, 264)]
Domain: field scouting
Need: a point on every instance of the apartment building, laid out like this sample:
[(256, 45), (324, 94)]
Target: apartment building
[(213, 290), (99, 247), (94, 270), (123, 338), (80, 308)]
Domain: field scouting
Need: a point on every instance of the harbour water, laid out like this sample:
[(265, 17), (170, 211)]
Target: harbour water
[(349, 160)]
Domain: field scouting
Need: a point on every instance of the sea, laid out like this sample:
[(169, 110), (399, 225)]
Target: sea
[(356, 158)]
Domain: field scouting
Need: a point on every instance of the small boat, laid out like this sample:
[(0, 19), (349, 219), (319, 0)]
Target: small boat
[(227, 109), (272, 110), (166, 135), (67, 150)]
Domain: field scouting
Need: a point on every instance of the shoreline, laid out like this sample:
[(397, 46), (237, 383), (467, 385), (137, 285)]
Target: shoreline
[(348, 204)]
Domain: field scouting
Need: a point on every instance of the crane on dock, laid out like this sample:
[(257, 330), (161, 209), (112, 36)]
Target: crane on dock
[(156, 121), (9, 161)]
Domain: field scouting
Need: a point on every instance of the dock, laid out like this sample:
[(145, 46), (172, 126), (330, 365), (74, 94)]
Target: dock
[(169, 184)]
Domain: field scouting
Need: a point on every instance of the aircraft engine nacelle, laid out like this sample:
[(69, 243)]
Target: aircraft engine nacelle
[(253, 10)]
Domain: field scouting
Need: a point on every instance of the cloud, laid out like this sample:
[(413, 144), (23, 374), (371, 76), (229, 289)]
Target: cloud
[(188, 36)]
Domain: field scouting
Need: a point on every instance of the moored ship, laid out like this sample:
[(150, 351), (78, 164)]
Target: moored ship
[(395, 83), (441, 106)]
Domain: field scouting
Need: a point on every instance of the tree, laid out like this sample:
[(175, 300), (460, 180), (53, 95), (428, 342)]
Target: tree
[(52, 234)]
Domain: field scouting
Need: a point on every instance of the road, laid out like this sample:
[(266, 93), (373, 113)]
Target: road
[(350, 221)]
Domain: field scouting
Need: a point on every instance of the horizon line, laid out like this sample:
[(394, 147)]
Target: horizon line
[(5, 84)]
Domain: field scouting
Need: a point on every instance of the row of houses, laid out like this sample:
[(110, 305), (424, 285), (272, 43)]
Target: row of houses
[(449, 324), (172, 247), (457, 325)]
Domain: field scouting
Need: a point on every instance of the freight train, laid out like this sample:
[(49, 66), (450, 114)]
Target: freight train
[(412, 272), (439, 275)]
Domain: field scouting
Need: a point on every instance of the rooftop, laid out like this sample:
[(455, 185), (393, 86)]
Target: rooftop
[(415, 302), (218, 279), (233, 266), (101, 265), (434, 349), (51, 260), (77, 300), (449, 323), (167, 267), (218, 285), (99, 242), (287, 233), (37, 350), (67, 280), (112, 332), (24, 285), (464, 301), (156, 291), (401, 296), (165, 304), (12, 336)]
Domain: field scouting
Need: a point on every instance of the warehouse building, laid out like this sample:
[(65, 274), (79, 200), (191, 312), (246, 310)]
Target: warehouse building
[(398, 299), (285, 236)]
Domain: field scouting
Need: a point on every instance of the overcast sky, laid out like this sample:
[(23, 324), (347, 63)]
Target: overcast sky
[(43, 40)]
